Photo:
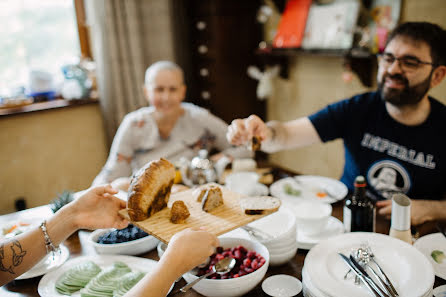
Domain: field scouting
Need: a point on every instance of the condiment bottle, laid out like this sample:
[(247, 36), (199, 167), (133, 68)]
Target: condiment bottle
[(359, 210), (400, 221)]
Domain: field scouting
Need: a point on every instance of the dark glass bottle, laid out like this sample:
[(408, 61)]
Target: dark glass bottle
[(359, 210)]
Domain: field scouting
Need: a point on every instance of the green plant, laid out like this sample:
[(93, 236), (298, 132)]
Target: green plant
[(61, 200)]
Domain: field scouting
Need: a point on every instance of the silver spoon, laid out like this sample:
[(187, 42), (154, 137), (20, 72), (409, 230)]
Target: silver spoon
[(221, 267)]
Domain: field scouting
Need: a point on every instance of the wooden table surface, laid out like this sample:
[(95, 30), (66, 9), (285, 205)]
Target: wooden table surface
[(78, 247)]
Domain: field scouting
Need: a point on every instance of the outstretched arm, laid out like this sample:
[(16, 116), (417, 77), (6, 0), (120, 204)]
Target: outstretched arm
[(274, 135), (95, 209), (421, 211), (186, 250)]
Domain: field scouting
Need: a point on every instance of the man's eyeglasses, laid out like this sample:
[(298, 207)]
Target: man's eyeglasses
[(406, 63)]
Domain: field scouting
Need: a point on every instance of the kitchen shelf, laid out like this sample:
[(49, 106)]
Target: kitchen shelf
[(361, 62)]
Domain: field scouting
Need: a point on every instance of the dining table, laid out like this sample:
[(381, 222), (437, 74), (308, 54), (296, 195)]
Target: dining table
[(77, 245)]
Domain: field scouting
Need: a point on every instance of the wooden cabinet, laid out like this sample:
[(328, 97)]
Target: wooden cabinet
[(216, 41)]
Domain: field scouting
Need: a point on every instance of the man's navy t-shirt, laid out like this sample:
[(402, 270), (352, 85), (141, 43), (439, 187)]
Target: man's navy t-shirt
[(392, 156)]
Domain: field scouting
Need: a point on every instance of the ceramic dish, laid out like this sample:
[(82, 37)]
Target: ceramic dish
[(133, 247), (48, 263), (304, 187), (47, 284), (429, 243), (282, 285)]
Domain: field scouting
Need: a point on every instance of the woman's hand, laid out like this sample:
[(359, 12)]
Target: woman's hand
[(241, 131), (190, 248), (98, 208)]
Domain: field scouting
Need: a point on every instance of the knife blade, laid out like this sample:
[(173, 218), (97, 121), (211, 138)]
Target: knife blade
[(367, 277), (360, 275)]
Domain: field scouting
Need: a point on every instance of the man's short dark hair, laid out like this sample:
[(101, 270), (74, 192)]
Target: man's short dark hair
[(432, 34)]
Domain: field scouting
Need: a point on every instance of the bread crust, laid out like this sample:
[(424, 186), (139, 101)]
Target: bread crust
[(260, 205), (150, 189)]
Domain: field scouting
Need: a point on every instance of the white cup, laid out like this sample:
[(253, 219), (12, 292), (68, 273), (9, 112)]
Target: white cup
[(242, 182), (400, 212)]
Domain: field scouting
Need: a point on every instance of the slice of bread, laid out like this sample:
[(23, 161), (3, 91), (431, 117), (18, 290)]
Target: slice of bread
[(179, 212), (200, 192), (260, 205), (212, 198), (150, 189)]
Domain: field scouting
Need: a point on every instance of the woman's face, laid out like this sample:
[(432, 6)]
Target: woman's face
[(166, 91)]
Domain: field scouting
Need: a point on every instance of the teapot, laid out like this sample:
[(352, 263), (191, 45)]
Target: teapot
[(201, 170)]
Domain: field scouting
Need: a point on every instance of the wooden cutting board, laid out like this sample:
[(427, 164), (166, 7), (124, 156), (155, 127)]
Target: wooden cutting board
[(219, 221)]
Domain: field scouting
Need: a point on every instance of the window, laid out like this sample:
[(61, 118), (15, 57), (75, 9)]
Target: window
[(38, 35)]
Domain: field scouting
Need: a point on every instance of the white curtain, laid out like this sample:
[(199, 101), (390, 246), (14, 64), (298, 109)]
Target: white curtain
[(127, 36)]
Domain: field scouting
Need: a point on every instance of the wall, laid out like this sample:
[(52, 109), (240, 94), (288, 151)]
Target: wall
[(316, 81), (44, 153)]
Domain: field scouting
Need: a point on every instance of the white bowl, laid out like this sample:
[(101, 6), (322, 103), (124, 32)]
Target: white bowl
[(133, 247), (234, 286), (282, 285), (279, 259), (312, 216), (283, 249), (281, 225), (161, 248), (244, 182)]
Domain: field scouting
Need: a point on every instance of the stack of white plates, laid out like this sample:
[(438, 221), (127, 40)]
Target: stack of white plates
[(324, 270), (281, 227)]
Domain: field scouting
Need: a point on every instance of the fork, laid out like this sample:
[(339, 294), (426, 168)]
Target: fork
[(387, 280)]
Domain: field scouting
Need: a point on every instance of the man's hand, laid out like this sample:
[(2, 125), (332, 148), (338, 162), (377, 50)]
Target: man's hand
[(241, 131), (421, 211)]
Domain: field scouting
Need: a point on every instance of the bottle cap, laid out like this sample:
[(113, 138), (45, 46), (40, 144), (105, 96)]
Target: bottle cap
[(360, 181), (400, 212)]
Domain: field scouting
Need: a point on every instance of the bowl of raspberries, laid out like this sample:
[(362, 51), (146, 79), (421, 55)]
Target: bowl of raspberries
[(128, 241), (252, 260)]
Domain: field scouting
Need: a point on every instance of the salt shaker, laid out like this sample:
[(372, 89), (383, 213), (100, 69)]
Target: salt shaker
[(400, 222)]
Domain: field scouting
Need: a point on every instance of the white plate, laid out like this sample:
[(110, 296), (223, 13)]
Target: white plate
[(47, 264), (440, 291), (310, 290), (334, 227), (427, 244), (309, 185), (282, 285), (47, 284), (407, 268)]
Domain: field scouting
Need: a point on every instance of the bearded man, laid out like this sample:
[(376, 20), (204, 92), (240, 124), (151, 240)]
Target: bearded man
[(398, 128)]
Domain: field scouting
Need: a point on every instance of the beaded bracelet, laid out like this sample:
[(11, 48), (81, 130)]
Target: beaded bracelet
[(50, 247)]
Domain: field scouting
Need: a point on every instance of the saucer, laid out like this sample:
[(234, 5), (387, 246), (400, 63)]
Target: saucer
[(282, 285), (307, 241)]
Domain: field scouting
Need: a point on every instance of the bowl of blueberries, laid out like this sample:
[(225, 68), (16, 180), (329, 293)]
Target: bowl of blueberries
[(128, 241)]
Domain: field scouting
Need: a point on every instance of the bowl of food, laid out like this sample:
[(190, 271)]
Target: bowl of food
[(252, 263), (312, 216), (128, 241)]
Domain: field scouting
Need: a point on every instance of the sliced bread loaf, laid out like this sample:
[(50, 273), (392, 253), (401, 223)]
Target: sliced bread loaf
[(260, 205), (150, 189)]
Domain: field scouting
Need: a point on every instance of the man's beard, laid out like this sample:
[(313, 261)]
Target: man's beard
[(408, 95)]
